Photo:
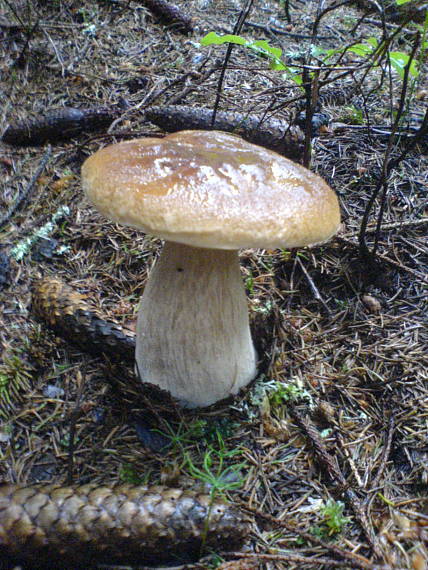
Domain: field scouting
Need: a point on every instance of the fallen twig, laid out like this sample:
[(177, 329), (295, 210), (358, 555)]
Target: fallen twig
[(273, 30), (313, 287), (391, 226), (389, 25), (336, 475), (385, 455), (289, 557), (80, 380)]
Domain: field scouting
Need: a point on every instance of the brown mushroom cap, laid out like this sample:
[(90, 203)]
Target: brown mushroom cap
[(211, 189)]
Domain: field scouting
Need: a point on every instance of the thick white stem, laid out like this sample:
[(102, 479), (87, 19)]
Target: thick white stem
[(193, 335)]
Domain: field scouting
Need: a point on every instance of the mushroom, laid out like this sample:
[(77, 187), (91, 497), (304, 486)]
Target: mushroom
[(207, 194)]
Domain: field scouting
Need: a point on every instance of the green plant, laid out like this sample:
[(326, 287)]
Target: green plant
[(371, 47), (129, 474), (284, 392), (215, 562), (262, 48), (249, 284), (15, 376), (218, 427), (333, 519), (341, 303), (214, 472), (185, 433), (352, 115)]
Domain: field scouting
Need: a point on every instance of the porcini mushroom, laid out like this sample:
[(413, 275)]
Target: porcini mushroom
[(207, 194)]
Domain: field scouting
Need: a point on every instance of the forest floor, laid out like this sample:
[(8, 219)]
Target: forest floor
[(327, 450)]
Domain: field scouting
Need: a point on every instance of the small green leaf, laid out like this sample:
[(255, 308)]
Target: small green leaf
[(214, 39), (372, 41), (400, 2), (294, 74), (361, 49), (326, 53), (399, 60), (264, 46), (260, 47)]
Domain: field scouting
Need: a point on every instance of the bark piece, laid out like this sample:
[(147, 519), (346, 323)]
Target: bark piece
[(64, 526), (274, 134)]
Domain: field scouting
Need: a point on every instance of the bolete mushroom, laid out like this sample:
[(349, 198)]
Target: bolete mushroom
[(207, 194)]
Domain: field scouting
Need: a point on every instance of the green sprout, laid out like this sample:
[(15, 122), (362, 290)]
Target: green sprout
[(353, 115), (129, 474), (249, 284), (284, 392), (333, 519), (185, 434), (214, 473), (15, 376)]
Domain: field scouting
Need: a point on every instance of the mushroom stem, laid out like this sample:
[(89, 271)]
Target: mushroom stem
[(193, 334)]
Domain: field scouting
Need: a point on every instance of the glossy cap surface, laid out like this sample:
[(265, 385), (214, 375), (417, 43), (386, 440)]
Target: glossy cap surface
[(211, 189)]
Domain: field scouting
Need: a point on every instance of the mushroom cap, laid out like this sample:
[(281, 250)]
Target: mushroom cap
[(211, 189)]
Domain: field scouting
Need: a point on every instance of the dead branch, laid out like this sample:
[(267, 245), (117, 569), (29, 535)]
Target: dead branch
[(236, 30)]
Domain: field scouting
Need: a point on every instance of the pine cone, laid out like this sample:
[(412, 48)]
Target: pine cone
[(69, 314), (64, 526)]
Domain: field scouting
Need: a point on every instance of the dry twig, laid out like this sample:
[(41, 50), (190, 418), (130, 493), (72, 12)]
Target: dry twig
[(334, 472)]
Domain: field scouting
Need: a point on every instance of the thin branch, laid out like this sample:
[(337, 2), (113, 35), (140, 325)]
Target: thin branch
[(314, 288), (388, 166), (387, 259), (400, 113), (289, 557), (75, 415), (236, 30), (392, 226), (280, 32)]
